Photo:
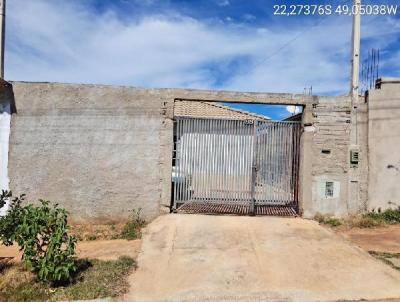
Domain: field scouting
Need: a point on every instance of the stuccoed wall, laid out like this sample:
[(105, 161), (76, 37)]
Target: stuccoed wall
[(384, 144), (94, 149), (330, 140), (101, 151)]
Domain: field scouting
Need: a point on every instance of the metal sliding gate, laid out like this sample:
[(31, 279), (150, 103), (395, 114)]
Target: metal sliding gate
[(236, 166)]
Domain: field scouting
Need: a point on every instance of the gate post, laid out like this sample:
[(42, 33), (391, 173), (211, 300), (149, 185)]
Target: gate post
[(252, 211)]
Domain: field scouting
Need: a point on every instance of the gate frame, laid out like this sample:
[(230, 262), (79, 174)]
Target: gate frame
[(252, 205)]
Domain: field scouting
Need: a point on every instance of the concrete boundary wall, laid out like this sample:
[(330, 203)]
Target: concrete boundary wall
[(101, 151)]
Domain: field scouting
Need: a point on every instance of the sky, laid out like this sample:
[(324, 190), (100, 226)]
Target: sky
[(204, 44)]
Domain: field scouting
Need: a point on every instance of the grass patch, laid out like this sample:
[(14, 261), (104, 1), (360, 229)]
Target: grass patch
[(364, 221), (386, 258), (334, 222), (389, 216), (375, 218), (94, 279), (132, 229), (91, 237)]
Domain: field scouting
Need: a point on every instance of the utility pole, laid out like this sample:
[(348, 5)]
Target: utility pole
[(355, 52), (355, 68), (354, 177), (3, 35)]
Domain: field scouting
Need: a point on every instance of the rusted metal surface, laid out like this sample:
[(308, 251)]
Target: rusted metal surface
[(209, 208), (235, 162)]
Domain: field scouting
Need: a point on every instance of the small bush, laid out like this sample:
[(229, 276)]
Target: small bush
[(41, 233), (334, 222), (132, 229), (389, 215), (374, 218)]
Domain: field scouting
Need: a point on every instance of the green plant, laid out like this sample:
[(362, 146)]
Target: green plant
[(389, 215), (91, 237), (4, 196), (334, 222), (41, 232), (386, 257), (132, 229), (10, 222)]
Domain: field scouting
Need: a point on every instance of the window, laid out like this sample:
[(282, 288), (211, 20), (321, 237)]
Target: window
[(329, 189)]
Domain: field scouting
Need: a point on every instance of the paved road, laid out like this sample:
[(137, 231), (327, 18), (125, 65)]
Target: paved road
[(228, 258)]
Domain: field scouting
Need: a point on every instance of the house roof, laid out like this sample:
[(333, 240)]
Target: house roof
[(296, 117), (213, 110)]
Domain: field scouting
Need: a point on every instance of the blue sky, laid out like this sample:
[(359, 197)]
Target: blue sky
[(213, 44)]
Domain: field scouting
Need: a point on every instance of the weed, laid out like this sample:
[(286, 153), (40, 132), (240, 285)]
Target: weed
[(386, 257), (385, 254), (388, 216), (91, 237), (334, 222), (364, 221), (375, 218), (132, 229)]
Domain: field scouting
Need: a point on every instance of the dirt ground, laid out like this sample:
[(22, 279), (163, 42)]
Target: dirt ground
[(96, 249), (381, 239), (96, 241), (97, 231)]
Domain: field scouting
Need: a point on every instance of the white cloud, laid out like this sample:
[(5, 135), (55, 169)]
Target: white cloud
[(293, 109), (249, 17), (67, 42), (223, 2)]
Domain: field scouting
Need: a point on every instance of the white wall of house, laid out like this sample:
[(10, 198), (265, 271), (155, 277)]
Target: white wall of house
[(5, 119)]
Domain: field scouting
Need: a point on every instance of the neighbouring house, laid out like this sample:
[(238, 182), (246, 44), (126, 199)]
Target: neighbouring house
[(213, 110)]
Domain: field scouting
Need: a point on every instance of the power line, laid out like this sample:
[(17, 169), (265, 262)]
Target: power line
[(288, 43), (277, 51)]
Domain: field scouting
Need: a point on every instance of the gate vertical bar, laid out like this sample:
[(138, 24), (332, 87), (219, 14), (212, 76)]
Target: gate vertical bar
[(176, 164), (253, 171), (297, 130)]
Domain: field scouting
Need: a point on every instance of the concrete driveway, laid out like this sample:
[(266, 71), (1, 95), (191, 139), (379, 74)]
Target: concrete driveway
[(229, 258)]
